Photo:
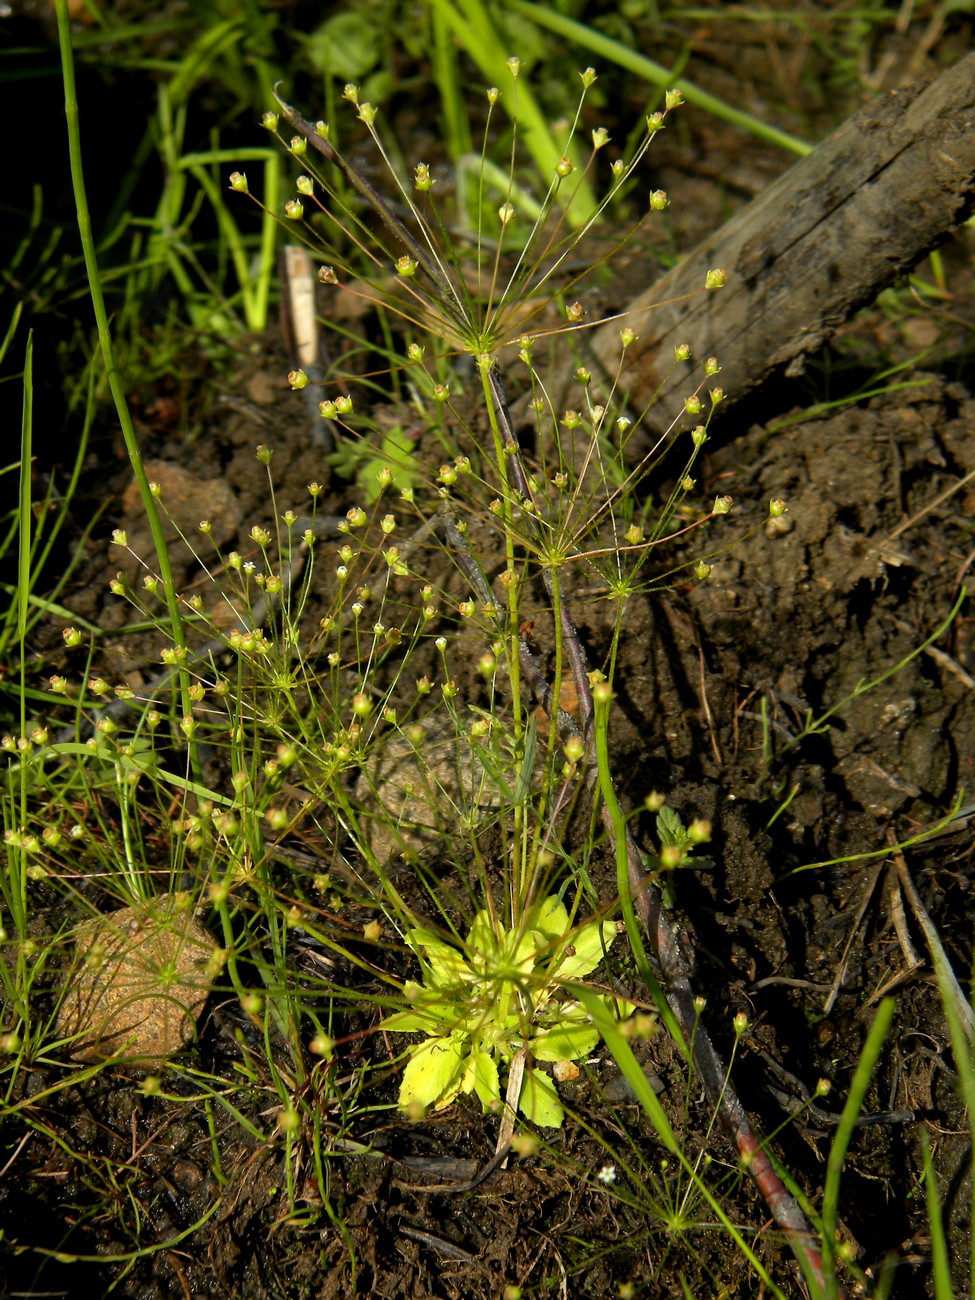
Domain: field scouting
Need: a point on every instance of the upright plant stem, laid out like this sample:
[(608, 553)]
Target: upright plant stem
[(641, 898)]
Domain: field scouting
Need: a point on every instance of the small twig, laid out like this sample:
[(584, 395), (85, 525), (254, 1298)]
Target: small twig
[(865, 897), (468, 1185), (896, 896), (938, 955), (943, 660), (437, 1243), (807, 1106)]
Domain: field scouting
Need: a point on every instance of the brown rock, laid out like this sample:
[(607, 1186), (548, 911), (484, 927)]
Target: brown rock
[(139, 985)]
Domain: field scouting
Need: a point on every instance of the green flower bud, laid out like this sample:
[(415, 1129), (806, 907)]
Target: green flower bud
[(361, 705), (298, 146), (564, 168), (326, 275), (659, 201), (405, 266), (297, 379), (305, 185), (671, 857), (777, 508), (600, 137), (722, 505), (269, 121), (602, 693), (238, 182), (294, 210), (693, 404), (673, 99), (588, 77), (714, 279), (422, 178)]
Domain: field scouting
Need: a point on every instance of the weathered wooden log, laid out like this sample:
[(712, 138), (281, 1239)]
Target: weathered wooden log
[(823, 240)]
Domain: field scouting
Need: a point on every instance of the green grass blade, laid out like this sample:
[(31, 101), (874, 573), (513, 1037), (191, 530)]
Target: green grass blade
[(23, 504), (844, 1132), (940, 1267), (604, 47), (472, 26), (107, 349)]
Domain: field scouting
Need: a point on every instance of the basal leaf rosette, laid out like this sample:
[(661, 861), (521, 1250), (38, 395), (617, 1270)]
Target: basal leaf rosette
[(503, 991)]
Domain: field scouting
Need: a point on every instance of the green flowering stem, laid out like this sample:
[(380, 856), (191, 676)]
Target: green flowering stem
[(601, 697), (495, 410), (111, 366)]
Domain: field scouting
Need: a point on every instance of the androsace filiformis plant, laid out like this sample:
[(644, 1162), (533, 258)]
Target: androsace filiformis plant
[(501, 995), (550, 520)]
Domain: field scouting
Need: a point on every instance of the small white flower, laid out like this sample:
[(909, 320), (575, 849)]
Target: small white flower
[(607, 1175)]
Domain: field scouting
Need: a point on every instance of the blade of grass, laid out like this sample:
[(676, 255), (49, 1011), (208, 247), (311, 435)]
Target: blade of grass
[(472, 26), (603, 46), (844, 1132), (940, 1266), (108, 354)]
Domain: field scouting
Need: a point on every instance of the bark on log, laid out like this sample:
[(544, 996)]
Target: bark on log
[(840, 225)]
